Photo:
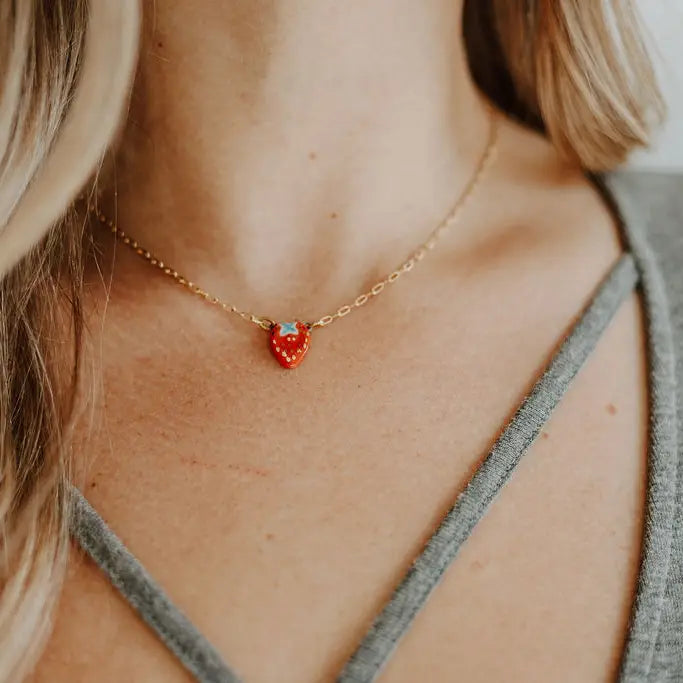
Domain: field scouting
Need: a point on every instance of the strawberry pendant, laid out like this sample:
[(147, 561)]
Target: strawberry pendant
[(289, 343)]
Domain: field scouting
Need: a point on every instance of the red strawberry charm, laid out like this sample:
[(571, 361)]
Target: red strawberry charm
[(289, 343)]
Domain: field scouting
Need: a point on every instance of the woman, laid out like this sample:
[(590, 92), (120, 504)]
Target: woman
[(440, 171)]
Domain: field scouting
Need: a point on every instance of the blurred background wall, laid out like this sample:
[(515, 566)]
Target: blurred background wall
[(664, 23)]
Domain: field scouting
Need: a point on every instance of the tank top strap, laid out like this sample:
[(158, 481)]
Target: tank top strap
[(198, 655), (146, 596), (471, 505)]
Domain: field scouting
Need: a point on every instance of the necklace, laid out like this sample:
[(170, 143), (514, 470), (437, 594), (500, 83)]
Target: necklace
[(289, 341)]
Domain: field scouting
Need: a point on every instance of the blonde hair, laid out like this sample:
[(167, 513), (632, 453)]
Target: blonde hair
[(53, 133), (577, 70)]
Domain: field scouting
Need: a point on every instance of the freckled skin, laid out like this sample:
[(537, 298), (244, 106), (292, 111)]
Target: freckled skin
[(219, 450)]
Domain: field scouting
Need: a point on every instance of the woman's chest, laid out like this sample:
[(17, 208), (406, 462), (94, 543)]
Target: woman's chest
[(280, 514)]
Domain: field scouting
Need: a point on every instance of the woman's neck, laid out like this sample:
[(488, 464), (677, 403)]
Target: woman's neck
[(297, 143)]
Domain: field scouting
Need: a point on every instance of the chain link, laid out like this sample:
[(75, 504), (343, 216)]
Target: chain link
[(417, 255)]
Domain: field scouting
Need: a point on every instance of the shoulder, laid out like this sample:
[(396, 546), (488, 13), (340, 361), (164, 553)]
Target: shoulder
[(559, 198), (651, 203), (654, 188), (650, 207)]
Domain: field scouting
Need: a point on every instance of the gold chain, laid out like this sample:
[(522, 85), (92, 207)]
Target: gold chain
[(405, 267)]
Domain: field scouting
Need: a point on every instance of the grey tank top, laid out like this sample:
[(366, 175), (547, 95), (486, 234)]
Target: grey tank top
[(654, 646)]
